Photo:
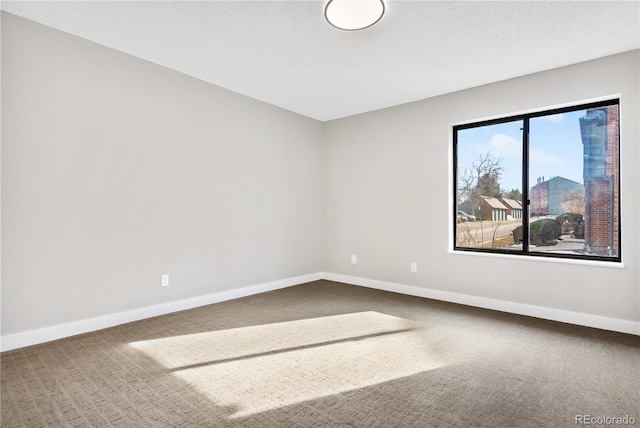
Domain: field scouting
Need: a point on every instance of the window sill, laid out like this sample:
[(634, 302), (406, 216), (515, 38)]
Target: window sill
[(597, 263)]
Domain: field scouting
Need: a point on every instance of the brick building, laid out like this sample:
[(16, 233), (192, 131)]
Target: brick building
[(547, 196), (601, 141)]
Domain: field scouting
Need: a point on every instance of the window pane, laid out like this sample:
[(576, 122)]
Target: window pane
[(573, 179), (489, 186)]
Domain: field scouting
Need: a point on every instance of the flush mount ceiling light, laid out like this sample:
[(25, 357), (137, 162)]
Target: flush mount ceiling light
[(353, 14)]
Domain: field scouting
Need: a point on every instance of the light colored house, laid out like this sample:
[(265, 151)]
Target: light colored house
[(492, 209), (514, 208)]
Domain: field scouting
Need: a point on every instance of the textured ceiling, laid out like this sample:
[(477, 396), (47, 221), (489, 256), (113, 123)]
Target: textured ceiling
[(286, 54)]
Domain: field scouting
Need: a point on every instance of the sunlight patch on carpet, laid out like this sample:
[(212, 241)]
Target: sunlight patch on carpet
[(254, 369)]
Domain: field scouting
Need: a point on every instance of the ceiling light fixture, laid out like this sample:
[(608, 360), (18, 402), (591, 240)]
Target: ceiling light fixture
[(353, 15)]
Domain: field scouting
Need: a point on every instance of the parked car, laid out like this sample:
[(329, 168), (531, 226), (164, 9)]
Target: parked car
[(463, 216)]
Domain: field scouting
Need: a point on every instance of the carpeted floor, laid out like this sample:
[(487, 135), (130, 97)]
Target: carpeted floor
[(325, 354)]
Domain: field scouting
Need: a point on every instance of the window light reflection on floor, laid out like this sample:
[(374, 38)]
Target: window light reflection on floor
[(258, 368)]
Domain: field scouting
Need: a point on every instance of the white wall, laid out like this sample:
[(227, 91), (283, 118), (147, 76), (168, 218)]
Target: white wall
[(116, 170), (387, 196)]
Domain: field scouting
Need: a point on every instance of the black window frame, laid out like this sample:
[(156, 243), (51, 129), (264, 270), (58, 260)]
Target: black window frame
[(526, 202)]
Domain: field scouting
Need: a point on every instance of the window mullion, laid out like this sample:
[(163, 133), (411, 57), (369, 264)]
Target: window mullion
[(525, 186)]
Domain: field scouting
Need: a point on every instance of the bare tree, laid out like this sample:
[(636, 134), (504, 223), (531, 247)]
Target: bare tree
[(487, 164), (494, 231), (488, 185), (483, 176), (574, 201), (465, 237), (466, 183)]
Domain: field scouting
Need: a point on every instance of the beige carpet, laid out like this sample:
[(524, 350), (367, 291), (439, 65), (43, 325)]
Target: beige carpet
[(326, 355)]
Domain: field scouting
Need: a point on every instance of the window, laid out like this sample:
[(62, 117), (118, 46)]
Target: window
[(540, 184)]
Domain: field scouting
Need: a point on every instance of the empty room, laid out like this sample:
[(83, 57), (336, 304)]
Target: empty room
[(340, 213)]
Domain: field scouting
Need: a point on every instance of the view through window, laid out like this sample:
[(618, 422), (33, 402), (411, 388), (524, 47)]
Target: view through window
[(544, 183)]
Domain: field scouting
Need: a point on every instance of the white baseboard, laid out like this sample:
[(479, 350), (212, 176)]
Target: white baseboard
[(34, 337), (587, 320)]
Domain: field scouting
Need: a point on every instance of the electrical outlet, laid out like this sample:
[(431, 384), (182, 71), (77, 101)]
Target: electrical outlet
[(165, 280), (414, 267), (354, 259)]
